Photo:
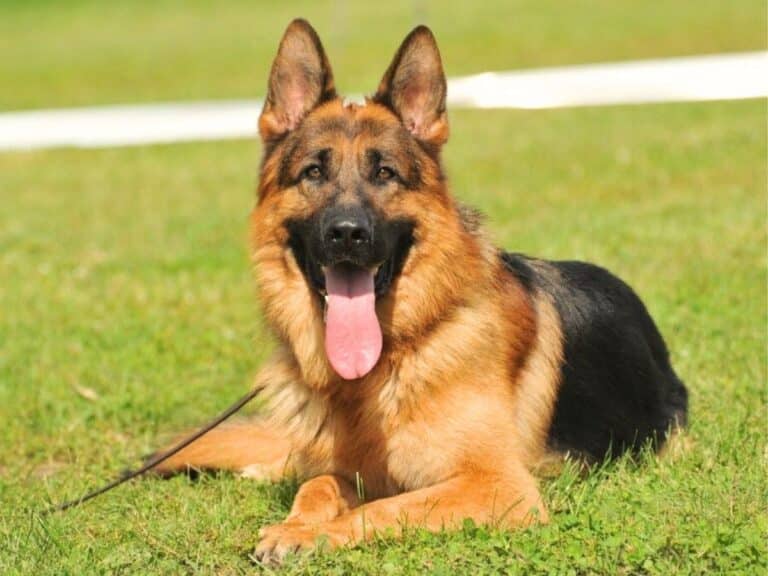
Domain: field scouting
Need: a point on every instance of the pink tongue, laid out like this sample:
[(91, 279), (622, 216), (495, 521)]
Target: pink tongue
[(352, 332)]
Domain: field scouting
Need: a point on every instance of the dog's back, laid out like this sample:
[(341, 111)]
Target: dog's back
[(617, 390)]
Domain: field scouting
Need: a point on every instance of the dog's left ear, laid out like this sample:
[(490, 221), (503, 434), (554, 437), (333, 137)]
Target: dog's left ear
[(414, 87)]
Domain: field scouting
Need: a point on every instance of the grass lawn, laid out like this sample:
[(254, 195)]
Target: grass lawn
[(79, 52), (127, 310)]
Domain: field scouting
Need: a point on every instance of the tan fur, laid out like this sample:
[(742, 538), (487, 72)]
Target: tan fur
[(451, 419), (677, 445), (252, 449), (537, 384)]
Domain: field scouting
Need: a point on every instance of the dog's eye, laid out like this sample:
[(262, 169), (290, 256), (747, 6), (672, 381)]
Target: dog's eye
[(313, 172), (383, 174)]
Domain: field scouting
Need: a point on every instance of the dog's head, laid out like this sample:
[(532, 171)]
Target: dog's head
[(354, 228)]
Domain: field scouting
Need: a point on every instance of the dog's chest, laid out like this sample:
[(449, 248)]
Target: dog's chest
[(416, 459), (394, 445), (390, 461)]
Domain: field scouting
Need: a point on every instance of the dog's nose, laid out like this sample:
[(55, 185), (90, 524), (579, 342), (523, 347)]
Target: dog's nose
[(348, 232)]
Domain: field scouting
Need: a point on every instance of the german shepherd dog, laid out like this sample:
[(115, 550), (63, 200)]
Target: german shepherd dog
[(415, 358)]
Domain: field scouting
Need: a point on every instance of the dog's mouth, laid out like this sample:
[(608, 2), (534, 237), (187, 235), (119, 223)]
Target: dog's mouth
[(385, 270), (384, 274), (348, 290)]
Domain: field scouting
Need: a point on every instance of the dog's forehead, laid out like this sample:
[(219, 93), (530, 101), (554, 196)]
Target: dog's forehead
[(350, 120)]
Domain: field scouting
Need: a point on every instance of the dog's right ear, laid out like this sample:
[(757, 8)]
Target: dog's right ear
[(300, 79)]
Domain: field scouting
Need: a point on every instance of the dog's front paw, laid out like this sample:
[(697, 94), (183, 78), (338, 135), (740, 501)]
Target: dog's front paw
[(279, 540)]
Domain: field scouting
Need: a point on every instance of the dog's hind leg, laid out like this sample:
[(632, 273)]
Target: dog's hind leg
[(260, 448), (250, 448)]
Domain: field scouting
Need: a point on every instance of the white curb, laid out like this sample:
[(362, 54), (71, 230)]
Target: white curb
[(716, 77)]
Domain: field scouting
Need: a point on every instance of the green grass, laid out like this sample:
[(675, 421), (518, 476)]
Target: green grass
[(127, 309), (88, 51), (125, 272)]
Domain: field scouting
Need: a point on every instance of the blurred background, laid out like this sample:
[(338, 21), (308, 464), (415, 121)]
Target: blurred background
[(80, 52)]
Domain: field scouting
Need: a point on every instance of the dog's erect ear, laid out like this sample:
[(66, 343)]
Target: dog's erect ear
[(300, 79), (414, 87)]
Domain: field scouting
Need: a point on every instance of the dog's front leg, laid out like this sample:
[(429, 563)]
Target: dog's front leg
[(318, 500), (487, 498), (322, 499)]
